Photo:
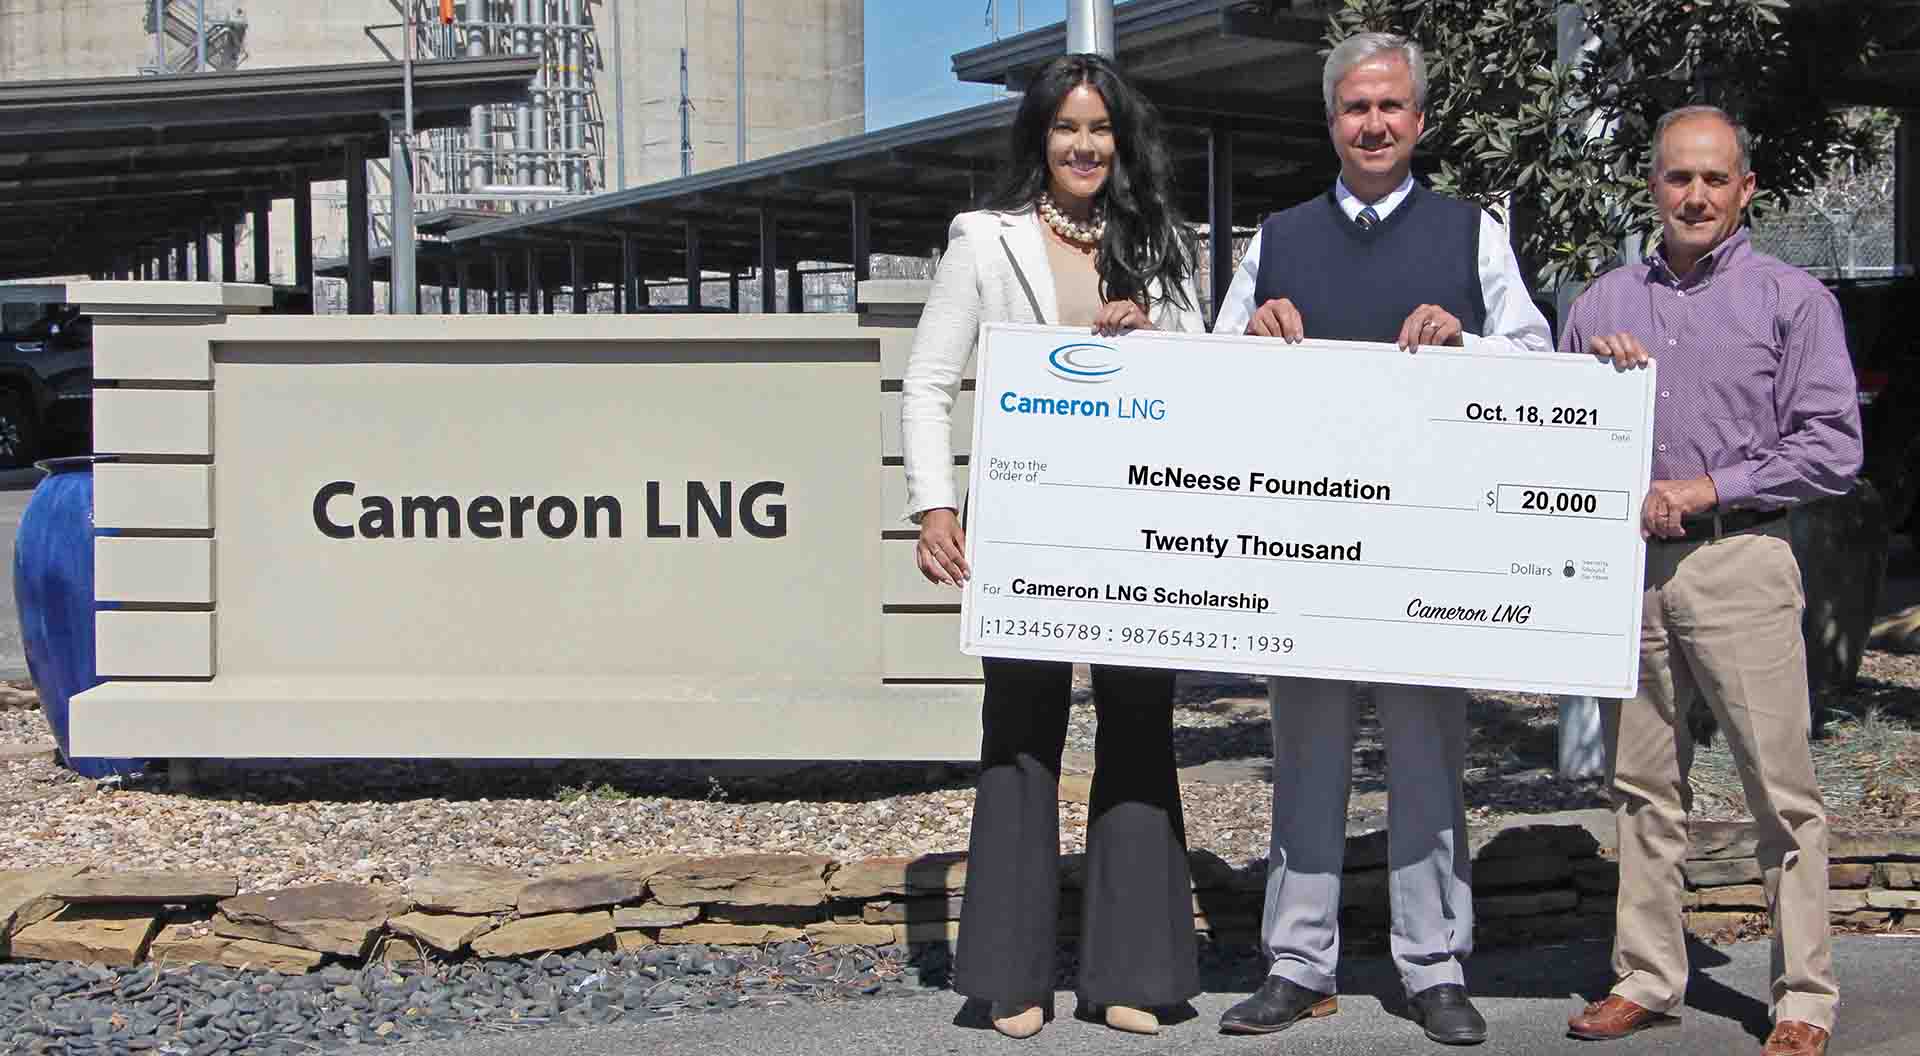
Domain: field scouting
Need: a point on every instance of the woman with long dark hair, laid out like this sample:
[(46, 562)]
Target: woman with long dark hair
[(1083, 233)]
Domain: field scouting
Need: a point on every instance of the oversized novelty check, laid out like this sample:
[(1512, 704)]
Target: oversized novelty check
[(1327, 509)]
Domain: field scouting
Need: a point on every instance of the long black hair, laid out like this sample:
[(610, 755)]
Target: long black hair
[(1143, 242)]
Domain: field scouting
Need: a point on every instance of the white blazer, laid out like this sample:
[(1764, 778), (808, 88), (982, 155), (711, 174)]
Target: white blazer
[(993, 260)]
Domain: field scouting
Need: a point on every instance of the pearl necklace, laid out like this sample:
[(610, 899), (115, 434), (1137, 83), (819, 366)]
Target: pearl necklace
[(1072, 230)]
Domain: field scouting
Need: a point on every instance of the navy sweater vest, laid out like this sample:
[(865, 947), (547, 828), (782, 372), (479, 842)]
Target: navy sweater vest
[(1359, 284)]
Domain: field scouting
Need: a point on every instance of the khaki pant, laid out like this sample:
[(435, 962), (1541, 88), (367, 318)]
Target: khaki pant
[(1721, 619)]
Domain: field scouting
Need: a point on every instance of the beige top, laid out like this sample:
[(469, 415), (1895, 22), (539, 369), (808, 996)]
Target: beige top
[(1076, 282)]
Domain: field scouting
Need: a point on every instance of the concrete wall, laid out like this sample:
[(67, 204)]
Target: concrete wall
[(806, 79)]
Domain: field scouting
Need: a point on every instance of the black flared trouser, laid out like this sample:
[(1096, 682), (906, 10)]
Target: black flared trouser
[(1136, 919)]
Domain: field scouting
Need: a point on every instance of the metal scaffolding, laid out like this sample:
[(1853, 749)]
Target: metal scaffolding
[(527, 155), (187, 38)]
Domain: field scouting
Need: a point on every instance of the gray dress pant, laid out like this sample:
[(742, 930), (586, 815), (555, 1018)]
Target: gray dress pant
[(1429, 885)]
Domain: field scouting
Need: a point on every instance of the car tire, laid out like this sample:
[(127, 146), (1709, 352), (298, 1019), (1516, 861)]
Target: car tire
[(19, 432)]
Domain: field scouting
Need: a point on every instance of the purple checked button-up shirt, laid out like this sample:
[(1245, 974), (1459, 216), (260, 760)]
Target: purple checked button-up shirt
[(1756, 389)]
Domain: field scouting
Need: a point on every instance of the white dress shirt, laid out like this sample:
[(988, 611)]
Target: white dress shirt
[(1513, 323)]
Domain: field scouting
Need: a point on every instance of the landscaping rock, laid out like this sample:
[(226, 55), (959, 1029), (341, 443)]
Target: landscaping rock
[(910, 910), (1846, 900), (543, 934), (1529, 904), (1853, 874), (792, 916), (1732, 896), (591, 885), (1600, 876), (161, 887), (1863, 919), (731, 934), (467, 888), (1881, 846), (446, 932), (1906, 900), (1524, 871), (26, 896), (1076, 788), (932, 874), (395, 949), (115, 936), (1899, 874), (1721, 872), (830, 934), (197, 944), (923, 932), (744, 880), (654, 915), (340, 919), (630, 941), (1534, 839), (1720, 839)]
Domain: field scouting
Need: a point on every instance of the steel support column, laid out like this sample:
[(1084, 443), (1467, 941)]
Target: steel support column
[(862, 221), (303, 236), (202, 256), (502, 279), (359, 264), (733, 291), (768, 278), (1219, 214), (229, 248), (695, 265), (796, 289), (577, 275), (463, 277), (531, 306), (263, 238), (630, 299)]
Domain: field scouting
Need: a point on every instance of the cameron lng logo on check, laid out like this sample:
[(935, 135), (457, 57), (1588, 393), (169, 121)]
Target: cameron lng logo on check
[(1083, 364)]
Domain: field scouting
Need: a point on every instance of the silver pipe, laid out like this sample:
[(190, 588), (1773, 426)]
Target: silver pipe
[(200, 38), (523, 112), (479, 136), (542, 100), (576, 82), (1090, 27), (159, 36), (740, 81), (521, 190), (619, 103)]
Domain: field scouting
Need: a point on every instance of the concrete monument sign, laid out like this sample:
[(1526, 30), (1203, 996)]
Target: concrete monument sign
[(507, 536)]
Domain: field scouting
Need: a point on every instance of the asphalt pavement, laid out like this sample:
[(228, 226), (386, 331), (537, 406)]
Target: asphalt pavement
[(1526, 996)]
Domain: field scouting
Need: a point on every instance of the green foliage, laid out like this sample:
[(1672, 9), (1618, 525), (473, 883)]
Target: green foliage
[(1568, 142)]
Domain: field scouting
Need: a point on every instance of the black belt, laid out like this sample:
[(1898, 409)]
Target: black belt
[(1713, 526)]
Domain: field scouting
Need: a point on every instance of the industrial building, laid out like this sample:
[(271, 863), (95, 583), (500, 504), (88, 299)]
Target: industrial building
[(628, 91)]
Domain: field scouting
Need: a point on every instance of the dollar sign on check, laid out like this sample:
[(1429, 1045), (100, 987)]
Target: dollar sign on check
[(1490, 500)]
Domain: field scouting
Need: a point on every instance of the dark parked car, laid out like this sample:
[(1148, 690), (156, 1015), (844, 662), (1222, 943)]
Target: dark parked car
[(46, 384), (1883, 334)]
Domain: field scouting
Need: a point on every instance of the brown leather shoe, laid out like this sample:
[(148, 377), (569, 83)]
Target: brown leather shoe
[(1791, 1037), (1615, 1017)]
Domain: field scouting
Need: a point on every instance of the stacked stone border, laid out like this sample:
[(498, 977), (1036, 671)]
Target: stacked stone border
[(1532, 883)]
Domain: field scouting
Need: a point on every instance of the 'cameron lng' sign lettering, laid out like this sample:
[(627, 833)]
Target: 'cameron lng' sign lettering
[(709, 509)]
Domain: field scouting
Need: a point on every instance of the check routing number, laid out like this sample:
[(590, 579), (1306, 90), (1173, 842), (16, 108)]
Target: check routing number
[(1328, 509)]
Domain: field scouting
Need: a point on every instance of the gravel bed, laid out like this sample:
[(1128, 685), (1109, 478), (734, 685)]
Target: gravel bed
[(80, 1010), (277, 823), (204, 1010)]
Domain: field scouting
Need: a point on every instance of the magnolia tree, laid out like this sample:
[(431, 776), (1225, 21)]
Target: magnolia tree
[(1562, 132)]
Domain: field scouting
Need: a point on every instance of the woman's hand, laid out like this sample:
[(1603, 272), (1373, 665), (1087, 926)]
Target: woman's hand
[(1118, 317), (942, 550)]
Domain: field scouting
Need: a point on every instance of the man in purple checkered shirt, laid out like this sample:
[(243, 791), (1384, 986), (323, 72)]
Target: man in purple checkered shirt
[(1756, 412)]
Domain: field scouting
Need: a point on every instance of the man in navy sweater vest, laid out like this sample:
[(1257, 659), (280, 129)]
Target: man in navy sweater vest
[(1376, 258)]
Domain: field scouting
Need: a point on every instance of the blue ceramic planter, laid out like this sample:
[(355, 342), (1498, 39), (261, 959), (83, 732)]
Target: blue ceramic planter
[(53, 593)]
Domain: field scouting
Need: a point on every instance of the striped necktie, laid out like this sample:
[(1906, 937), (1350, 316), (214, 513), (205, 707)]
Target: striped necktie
[(1367, 217)]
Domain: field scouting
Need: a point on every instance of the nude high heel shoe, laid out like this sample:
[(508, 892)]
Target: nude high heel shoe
[(1132, 1020), (1018, 1020)]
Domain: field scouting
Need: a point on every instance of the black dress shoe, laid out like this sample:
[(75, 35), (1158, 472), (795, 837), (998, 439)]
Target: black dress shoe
[(1447, 1015), (1277, 1005)]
